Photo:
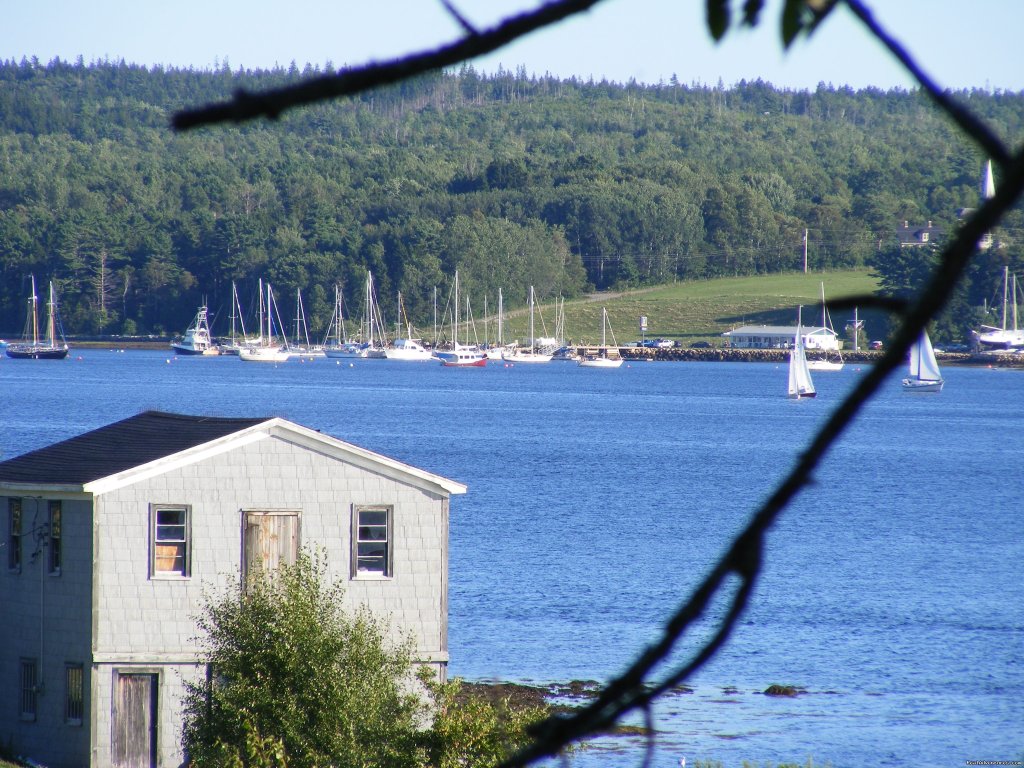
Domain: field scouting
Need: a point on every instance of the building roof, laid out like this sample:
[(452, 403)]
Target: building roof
[(153, 442), (119, 446), (778, 330)]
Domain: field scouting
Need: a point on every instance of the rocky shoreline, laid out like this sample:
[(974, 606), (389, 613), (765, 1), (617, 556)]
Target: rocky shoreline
[(676, 354)]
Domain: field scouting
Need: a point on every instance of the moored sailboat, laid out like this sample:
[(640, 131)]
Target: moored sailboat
[(605, 356), (459, 356), (35, 346), (530, 354), (832, 359)]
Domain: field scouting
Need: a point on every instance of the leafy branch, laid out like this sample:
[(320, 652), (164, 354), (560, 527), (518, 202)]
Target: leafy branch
[(638, 687)]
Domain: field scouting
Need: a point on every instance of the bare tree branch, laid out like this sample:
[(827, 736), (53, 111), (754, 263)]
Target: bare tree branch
[(962, 116), (247, 106), (630, 691)]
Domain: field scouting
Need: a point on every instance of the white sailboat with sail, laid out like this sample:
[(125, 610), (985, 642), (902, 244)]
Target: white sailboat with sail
[(605, 356), (924, 368), (800, 384)]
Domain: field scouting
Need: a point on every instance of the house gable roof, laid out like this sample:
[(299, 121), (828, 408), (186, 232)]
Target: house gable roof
[(154, 442)]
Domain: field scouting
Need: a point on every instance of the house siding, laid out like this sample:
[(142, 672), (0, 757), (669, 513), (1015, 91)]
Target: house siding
[(46, 617), (149, 623)]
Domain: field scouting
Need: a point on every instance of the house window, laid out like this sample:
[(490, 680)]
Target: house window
[(74, 693), (55, 540), (29, 698), (171, 555), (372, 540), (270, 540), (14, 522)]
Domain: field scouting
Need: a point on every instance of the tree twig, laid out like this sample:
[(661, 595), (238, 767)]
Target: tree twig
[(270, 104)]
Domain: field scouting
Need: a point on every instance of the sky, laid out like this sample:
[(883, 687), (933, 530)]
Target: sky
[(959, 43)]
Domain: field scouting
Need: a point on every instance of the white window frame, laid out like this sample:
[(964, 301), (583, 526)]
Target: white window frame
[(388, 569), (162, 534)]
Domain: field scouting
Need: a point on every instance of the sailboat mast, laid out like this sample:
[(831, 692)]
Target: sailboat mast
[(34, 301), (51, 330)]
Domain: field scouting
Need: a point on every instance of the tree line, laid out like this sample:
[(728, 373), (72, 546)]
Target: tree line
[(514, 180)]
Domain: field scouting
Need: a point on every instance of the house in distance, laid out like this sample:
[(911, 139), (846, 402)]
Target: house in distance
[(114, 536)]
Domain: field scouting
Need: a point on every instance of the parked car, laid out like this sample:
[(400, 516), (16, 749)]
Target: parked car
[(700, 345), (876, 345)]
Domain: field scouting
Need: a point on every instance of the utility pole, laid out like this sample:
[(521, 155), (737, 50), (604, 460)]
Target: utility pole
[(805, 251)]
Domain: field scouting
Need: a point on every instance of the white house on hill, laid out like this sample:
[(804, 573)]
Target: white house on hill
[(113, 536)]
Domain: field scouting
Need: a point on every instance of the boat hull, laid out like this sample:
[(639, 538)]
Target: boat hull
[(600, 362), (28, 352), (922, 385)]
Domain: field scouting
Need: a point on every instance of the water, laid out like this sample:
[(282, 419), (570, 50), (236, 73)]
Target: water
[(598, 499)]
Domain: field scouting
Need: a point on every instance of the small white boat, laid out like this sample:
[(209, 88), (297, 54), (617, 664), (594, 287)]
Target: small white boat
[(800, 384), (408, 350), (606, 356), (196, 340), (530, 354), (924, 368), (459, 355), (832, 360), (268, 351)]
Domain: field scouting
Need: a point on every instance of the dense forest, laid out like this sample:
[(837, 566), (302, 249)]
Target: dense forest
[(514, 181)]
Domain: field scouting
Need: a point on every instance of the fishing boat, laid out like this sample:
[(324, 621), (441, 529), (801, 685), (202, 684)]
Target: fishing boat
[(605, 356), (800, 384), (196, 340), (269, 350), (35, 346), (459, 355), (530, 354), (924, 368), (832, 359)]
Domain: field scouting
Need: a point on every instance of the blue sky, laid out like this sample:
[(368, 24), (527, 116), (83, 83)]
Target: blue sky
[(961, 44)]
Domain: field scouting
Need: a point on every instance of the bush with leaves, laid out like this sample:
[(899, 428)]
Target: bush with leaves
[(296, 681)]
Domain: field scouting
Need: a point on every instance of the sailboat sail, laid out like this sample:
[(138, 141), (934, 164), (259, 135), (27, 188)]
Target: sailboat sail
[(924, 368), (800, 384)]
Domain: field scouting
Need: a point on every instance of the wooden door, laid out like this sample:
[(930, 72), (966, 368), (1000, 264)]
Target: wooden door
[(134, 723), (271, 540)]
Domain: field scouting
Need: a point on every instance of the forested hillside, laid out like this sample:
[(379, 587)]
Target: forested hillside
[(512, 180)]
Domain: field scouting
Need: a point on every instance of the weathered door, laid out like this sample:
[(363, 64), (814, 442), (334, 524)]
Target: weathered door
[(133, 728), (271, 540)]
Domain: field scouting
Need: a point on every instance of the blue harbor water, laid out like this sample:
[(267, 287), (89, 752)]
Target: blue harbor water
[(891, 592)]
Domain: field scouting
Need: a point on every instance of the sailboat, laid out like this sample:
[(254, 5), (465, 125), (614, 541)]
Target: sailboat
[(924, 369), (267, 351), (339, 345), (196, 340), (800, 384), (459, 356), (494, 351), (531, 354), (235, 345), (993, 338), (605, 357), (302, 347), (832, 360), (34, 347)]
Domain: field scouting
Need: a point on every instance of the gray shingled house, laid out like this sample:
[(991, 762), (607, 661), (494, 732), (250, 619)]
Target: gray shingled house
[(113, 536)]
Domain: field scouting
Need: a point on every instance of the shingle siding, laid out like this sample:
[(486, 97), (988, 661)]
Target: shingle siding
[(107, 612)]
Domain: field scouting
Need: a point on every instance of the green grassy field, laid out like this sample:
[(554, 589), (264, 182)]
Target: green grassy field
[(696, 311)]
